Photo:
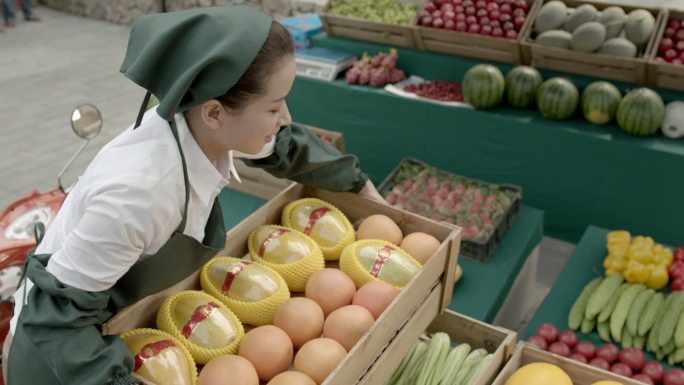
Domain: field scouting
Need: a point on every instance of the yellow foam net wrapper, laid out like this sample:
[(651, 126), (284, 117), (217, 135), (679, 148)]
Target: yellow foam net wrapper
[(253, 291), (371, 259), (294, 255), (323, 222), (160, 357), (202, 323)]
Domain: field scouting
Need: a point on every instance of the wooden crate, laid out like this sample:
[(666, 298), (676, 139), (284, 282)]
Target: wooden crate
[(632, 70), (498, 341), (366, 30), (473, 45), (665, 75), (258, 182), (432, 285), (580, 374)]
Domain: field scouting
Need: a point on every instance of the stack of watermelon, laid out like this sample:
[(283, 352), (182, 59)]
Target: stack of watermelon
[(639, 113)]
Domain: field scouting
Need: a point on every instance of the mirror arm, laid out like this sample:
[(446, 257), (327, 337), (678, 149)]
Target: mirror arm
[(61, 173)]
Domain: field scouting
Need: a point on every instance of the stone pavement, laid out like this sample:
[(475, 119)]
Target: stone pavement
[(46, 69)]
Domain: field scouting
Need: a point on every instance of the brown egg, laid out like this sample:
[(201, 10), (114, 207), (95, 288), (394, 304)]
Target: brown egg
[(318, 358), (291, 378), (347, 324), (379, 226), (420, 246), (301, 318), (228, 370), (269, 349), (375, 296), (331, 289)]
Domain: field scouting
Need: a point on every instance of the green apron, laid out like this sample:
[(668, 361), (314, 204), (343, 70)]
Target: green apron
[(58, 338)]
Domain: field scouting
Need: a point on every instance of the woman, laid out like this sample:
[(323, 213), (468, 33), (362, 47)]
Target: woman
[(145, 213)]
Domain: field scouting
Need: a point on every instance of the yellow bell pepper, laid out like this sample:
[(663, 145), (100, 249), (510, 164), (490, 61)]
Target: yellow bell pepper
[(640, 254), (614, 263), (638, 271), (618, 237), (658, 278)]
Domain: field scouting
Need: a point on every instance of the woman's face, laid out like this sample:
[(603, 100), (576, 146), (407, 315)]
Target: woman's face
[(252, 127)]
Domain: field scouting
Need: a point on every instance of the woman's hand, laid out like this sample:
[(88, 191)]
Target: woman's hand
[(369, 191), (142, 380)]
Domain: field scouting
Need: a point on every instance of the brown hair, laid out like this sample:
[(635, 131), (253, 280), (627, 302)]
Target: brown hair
[(278, 44)]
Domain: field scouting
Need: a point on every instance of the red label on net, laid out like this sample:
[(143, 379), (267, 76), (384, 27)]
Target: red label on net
[(232, 273), (271, 236), (201, 313), (150, 350), (314, 217), (382, 257)]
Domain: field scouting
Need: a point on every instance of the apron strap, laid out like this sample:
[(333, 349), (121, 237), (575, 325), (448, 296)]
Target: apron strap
[(39, 232), (143, 108), (174, 130)]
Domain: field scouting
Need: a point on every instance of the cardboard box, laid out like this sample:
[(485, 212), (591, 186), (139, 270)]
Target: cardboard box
[(580, 374), (663, 74), (430, 290), (498, 341), (361, 29), (260, 183), (303, 28), (474, 45), (626, 69)]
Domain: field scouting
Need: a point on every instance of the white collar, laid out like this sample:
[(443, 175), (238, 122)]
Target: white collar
[(204, 178)]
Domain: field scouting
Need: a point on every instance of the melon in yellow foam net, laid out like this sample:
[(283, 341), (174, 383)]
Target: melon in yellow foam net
[(323, 222), (294, 255), (202, 323), (371, 259), (253, 291), (160, 358)]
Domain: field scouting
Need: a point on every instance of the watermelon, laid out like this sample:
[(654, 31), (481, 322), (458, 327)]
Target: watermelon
[(600, 101), (483, 86), (521, 86), (557, 99), (641, 112)]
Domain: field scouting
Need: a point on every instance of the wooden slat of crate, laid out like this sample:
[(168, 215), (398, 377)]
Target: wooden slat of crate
[(665, 75), (257, 182), (498, 341), (438, 271), (580, 374), (366, 30), (473, 45), (625, 69)]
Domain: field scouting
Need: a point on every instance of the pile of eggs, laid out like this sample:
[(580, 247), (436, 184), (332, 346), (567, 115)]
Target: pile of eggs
[(312, 315)]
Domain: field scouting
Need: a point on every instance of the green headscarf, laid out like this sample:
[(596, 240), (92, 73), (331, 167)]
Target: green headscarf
[(188, 57)]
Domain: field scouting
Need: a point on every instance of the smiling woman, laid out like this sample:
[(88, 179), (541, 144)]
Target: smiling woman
[(147, 204)]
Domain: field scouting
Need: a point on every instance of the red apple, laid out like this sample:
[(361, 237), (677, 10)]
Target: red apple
[(548, 331), (578, 358), (484, 21), (446, 7), (621, 369), (560, 348), (666, 44), (587, 349), (633, 357), (481, 13), (681, 55), (449, 24), (460, 17), (600, 363), (471, 20), (459, 9), (508, 26), (679, 46), (461, 26), (426, 21), (677, 61), (468, 3), (481, 4), (505, 17), (438, 23), (430, 6), (474, 28), (470, 11), (674, 24), (449, 15), (670, 54), (436, 14), (511, 34), (506, 8), (522, 4), (492, 7), (654, 370), (608, 352), (643, 378), (495, 24), (680, 34), (518, 23), (569, 338), (538, 342), (670, 32), (486, 30), (495, 15), (519, 12), (497, 32)]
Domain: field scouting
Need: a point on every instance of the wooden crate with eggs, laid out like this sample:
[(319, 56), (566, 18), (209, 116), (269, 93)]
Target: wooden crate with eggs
[(603, 40), (259, 183), (319, 301)]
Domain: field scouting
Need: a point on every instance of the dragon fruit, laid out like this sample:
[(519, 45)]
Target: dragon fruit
[(378, 70)]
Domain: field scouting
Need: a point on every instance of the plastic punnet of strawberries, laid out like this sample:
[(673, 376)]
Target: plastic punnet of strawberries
[(438, 90)]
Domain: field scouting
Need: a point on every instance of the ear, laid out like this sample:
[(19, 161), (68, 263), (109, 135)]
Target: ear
[(213, 113)]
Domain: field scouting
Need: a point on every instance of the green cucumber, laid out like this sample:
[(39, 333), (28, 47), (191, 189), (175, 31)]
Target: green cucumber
[(648, 318), (605, 313), (600, 297), (579, 308), (637, 308), (670, 318), (619, 316)]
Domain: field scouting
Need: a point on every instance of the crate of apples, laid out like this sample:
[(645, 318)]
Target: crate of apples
[(497, 18), (666, 58), (671, 46)]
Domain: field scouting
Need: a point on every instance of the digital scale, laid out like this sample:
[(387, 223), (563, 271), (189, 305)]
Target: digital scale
[(322, 63)]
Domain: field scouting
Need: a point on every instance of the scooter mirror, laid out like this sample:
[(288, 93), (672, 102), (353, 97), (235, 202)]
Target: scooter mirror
[(86, 121)]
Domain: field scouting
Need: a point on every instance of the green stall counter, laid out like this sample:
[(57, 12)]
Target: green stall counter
[(577, 173), (484, 288)]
